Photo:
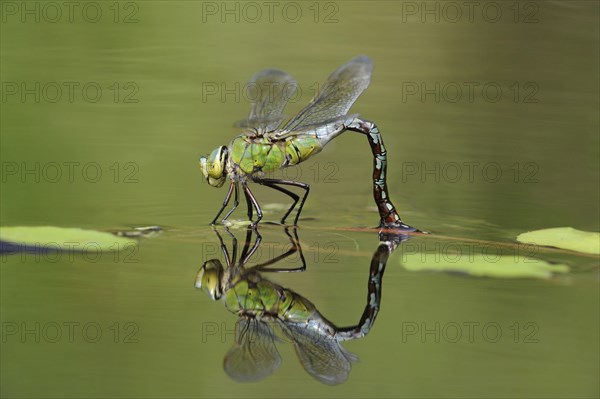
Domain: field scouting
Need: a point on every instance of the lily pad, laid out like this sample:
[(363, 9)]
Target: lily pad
[(61, 238), (480, 265), (565, 238), (140, 232), (237, 224)]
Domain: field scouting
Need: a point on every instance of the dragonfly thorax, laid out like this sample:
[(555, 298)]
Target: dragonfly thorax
[(255, 156)]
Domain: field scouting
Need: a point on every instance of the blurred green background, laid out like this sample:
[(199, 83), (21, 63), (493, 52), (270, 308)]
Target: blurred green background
[(137, 91)]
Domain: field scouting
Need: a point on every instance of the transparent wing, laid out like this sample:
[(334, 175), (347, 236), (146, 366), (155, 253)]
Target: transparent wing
[(254, 355), (337, 95), (269, 90), (322, 356)]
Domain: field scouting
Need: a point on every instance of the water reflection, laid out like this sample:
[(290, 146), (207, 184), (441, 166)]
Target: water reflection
[(269, 312)]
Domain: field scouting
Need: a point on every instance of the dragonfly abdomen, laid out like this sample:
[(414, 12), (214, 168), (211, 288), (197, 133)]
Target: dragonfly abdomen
[(297, 309), (300, 148), (302, 145)]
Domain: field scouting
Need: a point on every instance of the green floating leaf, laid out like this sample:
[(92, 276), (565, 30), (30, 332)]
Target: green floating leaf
[(565, 238), (480, 265), (140, 232), (72, 239), (237, 224)]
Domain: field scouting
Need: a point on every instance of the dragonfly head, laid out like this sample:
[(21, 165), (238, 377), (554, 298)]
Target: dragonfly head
[(213, 167), (209, 278)]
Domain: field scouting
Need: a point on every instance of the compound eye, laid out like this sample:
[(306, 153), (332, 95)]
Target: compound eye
[(216, 169), (216, 162), (223, 154)]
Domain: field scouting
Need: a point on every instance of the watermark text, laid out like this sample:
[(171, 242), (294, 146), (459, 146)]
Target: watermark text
[(69, 172), (52, 12), (69, 92), (69, 332), (251, 12)]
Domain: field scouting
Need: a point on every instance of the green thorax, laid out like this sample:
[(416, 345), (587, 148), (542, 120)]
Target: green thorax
[(249, 155), (254, 296)]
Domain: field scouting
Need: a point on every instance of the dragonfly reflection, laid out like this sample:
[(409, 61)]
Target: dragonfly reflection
[(265, 307)]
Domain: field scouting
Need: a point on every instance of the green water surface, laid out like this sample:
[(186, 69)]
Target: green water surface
[(491, 125)]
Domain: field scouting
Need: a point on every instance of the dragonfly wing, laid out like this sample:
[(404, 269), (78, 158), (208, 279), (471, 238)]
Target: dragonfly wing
[(270, 90), (323, 130), (337, 95), (322, 356), (254, 355)]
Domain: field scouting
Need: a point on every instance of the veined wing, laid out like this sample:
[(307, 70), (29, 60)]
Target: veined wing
[(270, 90), (322, 356), (254, 355), (337, 95)]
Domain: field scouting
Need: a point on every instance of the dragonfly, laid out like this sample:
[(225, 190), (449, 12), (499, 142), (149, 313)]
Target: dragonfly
[(266, 145), (263, 306)]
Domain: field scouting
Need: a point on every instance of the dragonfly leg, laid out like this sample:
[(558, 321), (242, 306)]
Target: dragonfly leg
[(252, 199), (273, 183), (248, 251), (294, 196), (224, 247), (248, 205), (387, 211), (296, 247), (225, 202), (235, 203)]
